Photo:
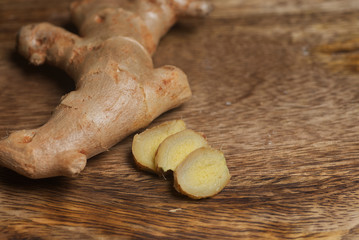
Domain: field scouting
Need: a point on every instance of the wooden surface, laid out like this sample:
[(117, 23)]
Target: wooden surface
[(275, 86)]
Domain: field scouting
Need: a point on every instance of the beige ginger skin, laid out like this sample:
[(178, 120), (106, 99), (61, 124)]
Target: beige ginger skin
[(118, 91)]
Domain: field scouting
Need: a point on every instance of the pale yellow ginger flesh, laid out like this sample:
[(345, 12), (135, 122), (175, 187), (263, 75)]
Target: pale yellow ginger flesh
[(145, 144), (118, 90), (202, 174), (176, 147), (199, 170)]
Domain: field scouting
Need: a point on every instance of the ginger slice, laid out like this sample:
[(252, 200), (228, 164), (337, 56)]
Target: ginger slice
[(176, 147), (145, 144), (202, 174)]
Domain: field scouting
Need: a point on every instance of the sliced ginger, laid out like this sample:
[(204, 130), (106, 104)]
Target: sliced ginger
[(199, 171), (202, 174), (176, 147), (145, 145)]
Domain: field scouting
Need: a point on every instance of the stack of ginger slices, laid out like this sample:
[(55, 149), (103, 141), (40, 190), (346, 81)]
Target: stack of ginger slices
[(199, 171)]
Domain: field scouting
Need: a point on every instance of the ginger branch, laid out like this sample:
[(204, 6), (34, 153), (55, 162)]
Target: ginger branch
[(118, 91)]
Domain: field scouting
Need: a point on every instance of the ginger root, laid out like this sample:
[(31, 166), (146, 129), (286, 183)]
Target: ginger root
[(118, 91), (175, 148), (203, 173), (145, 144)]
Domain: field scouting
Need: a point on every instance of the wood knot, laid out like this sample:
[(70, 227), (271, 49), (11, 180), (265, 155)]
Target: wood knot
[(341, 55)]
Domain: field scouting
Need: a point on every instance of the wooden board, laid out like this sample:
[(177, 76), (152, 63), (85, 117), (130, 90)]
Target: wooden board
[(275, 86)]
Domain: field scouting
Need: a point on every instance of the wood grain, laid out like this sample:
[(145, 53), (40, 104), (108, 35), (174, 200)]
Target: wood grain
[(275, 86)]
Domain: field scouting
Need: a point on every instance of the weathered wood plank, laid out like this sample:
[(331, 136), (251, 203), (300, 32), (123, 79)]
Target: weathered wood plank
[(266, 90)]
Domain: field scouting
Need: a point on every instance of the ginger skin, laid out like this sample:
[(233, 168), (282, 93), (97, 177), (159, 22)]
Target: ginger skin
[(118, 91)]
